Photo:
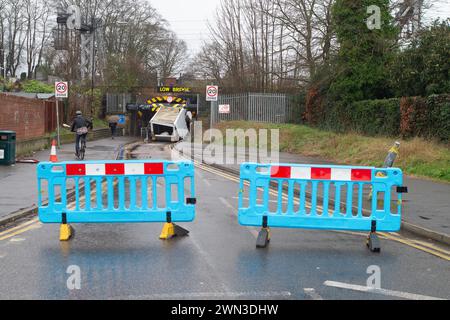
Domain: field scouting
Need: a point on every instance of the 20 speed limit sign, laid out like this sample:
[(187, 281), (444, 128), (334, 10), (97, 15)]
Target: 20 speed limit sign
[(61, 89), (212, 93)]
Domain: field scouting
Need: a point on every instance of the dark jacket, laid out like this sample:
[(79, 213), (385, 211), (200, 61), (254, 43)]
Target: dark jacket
[(80, 122), (113, 124)]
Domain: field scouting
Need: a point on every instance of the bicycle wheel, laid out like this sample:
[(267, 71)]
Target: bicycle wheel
[(82, 149)]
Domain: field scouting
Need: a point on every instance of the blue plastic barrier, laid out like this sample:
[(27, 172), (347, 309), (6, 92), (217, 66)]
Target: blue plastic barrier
[(336, 198), (117, 192)]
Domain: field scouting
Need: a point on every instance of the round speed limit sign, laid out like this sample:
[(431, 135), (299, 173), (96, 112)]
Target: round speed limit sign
[(61, 89), (212, 93)]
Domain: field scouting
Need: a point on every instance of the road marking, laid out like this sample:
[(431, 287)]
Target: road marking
[(431, 246), (19, 226), (311, 292), (35, 224), (203, 179), (213, 295), (210, 264), (17, 240), (408, 242), (250, 229), (226, 203), (32, 227), (397, 294), (247, 199)]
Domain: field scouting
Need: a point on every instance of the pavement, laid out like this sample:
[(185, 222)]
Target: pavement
[(19, 183), (426, 206), (218, 259)]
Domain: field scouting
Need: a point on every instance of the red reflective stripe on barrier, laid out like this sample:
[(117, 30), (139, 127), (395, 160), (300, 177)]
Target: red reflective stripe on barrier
[(75, 170), (154, 168), (321, 173), (361, 175), (115, 169), (280, 172)]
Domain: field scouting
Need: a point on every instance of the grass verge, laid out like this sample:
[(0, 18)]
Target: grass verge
[(418, 157)]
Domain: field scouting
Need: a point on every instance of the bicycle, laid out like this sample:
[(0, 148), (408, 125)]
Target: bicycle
[(82, 151)]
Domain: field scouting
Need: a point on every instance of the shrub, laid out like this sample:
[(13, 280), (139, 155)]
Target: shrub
[(439, 109), (34, 86), (408, 117), (376, 117)]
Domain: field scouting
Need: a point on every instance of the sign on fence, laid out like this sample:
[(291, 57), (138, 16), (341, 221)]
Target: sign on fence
[(224, 109)]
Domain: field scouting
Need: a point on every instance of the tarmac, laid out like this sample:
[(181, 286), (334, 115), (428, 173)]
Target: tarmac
[(218, 260)]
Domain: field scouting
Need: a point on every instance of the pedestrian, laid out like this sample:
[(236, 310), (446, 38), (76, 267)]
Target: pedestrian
[(113, 126)]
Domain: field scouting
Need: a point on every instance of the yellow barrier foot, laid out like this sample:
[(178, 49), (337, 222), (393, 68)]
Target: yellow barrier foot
[(263, 238), (168, 231), (373, 243), (65, 232), (171, 230)]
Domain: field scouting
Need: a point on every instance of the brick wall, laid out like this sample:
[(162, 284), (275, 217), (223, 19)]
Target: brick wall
[(23, 115)]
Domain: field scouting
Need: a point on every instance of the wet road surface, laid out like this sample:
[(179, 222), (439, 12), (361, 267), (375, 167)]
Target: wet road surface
[(218, 260)]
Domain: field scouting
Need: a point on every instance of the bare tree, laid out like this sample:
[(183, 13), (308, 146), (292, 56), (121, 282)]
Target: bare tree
[(37, 13), (15, 39), (171, 56)]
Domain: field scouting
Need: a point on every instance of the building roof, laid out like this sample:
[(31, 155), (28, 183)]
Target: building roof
[(42, 96)]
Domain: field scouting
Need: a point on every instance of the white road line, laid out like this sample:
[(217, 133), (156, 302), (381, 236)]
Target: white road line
[(17, 240), (210, 264), (213, 295), (234, 210), (247, 199), (203, 178), (398, 294), (227, 204), (311, 292)]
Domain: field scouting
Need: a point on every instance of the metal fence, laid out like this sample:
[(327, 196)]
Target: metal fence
[(257, 107), (116, 103)]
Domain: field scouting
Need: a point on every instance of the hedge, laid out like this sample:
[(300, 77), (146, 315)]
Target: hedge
[(407, 117)]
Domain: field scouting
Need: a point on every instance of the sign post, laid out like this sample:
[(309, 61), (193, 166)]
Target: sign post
[(61, 91), (212, 95)]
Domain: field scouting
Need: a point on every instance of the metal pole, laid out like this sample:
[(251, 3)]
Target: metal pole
[(211, 126), (57, 123), (198, 102), (93, 66)]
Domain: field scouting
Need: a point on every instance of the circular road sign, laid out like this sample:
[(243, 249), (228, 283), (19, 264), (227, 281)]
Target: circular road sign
[(211, 91), (61, 88)]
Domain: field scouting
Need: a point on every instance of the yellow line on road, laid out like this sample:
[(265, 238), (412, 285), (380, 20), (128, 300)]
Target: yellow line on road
[(19, 226), (33, 224), (11, 235), (410, 242)]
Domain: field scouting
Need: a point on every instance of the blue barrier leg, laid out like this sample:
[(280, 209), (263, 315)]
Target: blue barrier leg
[(264, 235), (171, 230), (373, 242)]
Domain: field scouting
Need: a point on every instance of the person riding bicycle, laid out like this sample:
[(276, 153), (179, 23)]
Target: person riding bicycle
[(81, 127)]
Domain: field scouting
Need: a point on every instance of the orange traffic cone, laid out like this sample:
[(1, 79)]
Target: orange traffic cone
[(53, 156)]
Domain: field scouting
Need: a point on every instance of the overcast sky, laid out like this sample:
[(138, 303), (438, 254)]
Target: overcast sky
[(188, 18)]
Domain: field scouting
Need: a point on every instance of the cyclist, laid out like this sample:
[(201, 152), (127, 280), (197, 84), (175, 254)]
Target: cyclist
[(81, 127)]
